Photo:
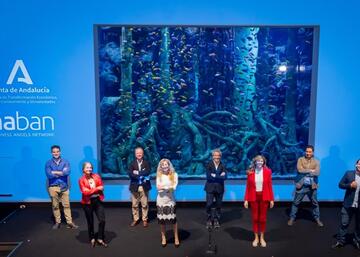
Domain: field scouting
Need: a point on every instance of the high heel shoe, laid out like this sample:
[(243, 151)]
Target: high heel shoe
[(177, 245), (262, 243), (93, 243), (102, 243), (163, 242), (255, 242)]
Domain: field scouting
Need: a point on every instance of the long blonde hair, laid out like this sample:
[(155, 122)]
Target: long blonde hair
[(171, 170)]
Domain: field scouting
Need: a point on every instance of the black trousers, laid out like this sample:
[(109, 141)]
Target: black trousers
[(346, 217), (95, 206), (214, 200)]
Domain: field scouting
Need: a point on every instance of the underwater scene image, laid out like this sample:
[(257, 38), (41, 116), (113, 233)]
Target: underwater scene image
[(182, 91)]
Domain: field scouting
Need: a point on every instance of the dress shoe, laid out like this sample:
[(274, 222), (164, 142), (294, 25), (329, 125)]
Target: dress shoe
[(145, 223), (291, 222), (72, 226), (319, 223), (56, 226), (337, 245), (134, 223), (102, 243)]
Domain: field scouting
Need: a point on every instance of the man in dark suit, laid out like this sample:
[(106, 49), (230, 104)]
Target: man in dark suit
[(351, 183), (214, 187), (139, 172)]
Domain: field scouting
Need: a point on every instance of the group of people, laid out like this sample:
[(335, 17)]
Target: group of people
[(259, 194)]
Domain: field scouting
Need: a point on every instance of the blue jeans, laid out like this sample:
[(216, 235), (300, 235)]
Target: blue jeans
[(299, 196), (346, 216)]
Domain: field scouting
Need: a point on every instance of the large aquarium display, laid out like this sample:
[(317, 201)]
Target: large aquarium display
[(182, 91)]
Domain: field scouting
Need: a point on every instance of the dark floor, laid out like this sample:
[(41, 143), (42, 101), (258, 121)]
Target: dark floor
[(32, 225), (7, 209)]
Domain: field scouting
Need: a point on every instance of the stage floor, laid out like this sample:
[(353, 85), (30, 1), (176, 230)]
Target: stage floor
[(32, 226)]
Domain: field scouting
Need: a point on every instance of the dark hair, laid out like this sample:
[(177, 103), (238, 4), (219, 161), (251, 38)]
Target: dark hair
[(310, 146), (84, 164), (55, 146)]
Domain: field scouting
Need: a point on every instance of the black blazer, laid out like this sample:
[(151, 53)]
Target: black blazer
[(215, 185), (135, 180), (344, 183)]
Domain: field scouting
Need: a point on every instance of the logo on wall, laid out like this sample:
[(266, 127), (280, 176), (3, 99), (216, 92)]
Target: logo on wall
[(24, 102), (19, 64), (18, 122), (20, 83)]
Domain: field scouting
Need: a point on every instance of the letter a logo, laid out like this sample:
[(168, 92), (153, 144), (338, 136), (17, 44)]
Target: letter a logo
[(19, 64)]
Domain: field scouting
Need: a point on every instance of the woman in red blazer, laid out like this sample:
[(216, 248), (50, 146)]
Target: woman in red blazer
[(259, 194), (92, 190)]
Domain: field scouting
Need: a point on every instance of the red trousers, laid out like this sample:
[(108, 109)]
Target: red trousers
[(258, 212)]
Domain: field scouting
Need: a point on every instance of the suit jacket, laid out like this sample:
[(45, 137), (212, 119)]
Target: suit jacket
[(250, 192), (87, 191), (136, 180), (215, 185), (344, 183)]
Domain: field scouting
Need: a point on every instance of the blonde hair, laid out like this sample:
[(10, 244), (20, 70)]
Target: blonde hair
[(256, 158), (171, 170)]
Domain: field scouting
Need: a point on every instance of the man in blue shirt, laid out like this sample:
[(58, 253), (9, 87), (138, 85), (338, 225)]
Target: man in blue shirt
[(57, 171)]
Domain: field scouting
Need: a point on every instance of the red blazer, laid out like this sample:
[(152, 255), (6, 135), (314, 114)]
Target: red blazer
[(250, 193), (86, 191)]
